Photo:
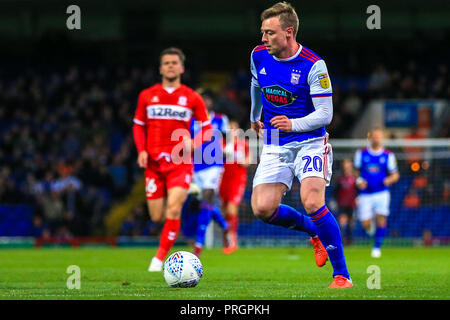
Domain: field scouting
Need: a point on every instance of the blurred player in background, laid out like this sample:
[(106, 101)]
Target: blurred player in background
[(290, 83), (208, 172), (233, 184), (345, 193), (161, 109), (377, 171)]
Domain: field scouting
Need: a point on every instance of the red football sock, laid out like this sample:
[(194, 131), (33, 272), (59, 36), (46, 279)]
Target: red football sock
[(168, 236), (232, 221)]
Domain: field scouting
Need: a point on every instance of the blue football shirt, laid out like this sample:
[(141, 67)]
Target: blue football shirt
[(288, 87), (374, 167), (211, 151)]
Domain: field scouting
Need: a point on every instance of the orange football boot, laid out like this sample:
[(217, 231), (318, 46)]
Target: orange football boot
[(320, 253), (229, 242), (340, 282)]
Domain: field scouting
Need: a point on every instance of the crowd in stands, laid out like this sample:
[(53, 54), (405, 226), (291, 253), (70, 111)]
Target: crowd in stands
[(66, 146)]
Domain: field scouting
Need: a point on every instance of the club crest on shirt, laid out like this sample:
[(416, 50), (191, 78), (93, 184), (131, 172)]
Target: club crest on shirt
[(295, 77), (324, 81), (182, 101), (278, 96)]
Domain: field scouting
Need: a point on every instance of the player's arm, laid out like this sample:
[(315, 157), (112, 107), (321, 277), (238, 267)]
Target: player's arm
[(361, 183), (256, 104), (321, 95), (201, 116), (139, 132), (393, 176)]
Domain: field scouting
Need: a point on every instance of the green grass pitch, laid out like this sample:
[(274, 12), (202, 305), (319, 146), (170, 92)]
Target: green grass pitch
[(250, 273)]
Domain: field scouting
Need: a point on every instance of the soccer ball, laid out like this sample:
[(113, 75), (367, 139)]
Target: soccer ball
[(183, 269)]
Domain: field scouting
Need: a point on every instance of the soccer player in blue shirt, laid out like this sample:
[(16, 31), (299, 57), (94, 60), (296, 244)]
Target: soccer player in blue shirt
[(291, 86), (377, 171), (208, 170)]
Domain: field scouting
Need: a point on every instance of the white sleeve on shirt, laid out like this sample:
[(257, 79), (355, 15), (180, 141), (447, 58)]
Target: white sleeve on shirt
[(256, 105), (225, 124), (320, 117), (392, 163), (318, 70), (255, 93), (253, 71), (323, 105), (357, 159)]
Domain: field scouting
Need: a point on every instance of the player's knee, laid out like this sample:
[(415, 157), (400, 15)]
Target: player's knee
[(173, 211), (366, 224), (381, 221), (158, 219), (263, 209), (311, 205)]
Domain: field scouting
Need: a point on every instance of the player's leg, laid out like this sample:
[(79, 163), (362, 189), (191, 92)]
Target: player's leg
[(266, 205), (343, 223), (176, 197), (382, 211), (155, 193), (156, 210), (272, 179), (177, 181), (231, 235), (231, 192), (204, 218), (219, 218), (346, 224), (350, 225), (215, 181), (313, 166), (208, 180), (312, 193), (365, 213)]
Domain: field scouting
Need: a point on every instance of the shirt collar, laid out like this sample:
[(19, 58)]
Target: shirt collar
[(293, 57)]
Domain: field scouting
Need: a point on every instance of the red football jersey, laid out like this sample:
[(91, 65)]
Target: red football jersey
[(346, 191), (162, 112), (241, 150)]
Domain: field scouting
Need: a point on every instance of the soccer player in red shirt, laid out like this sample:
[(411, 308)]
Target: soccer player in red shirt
[(233, 183), (161, 126), (346, 199)]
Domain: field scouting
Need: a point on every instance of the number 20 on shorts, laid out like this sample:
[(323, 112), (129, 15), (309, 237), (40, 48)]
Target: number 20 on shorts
[(316, 163)]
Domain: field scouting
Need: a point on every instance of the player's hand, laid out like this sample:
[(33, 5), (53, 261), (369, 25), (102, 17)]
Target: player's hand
[(142, 159), (361, 183), (387, 181), (258, 126), (281, 123)]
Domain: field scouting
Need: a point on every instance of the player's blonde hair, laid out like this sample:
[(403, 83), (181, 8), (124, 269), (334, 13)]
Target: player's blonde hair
[(173, 50), (285, 13), (371, 131)]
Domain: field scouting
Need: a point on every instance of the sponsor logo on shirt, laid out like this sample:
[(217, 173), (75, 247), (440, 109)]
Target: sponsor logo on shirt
[(373, 168), (278, 96), (170, 112), (324, 81)]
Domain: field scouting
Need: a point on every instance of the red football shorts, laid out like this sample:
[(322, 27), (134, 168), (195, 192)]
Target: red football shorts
[(232, 186), (162, 176)]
